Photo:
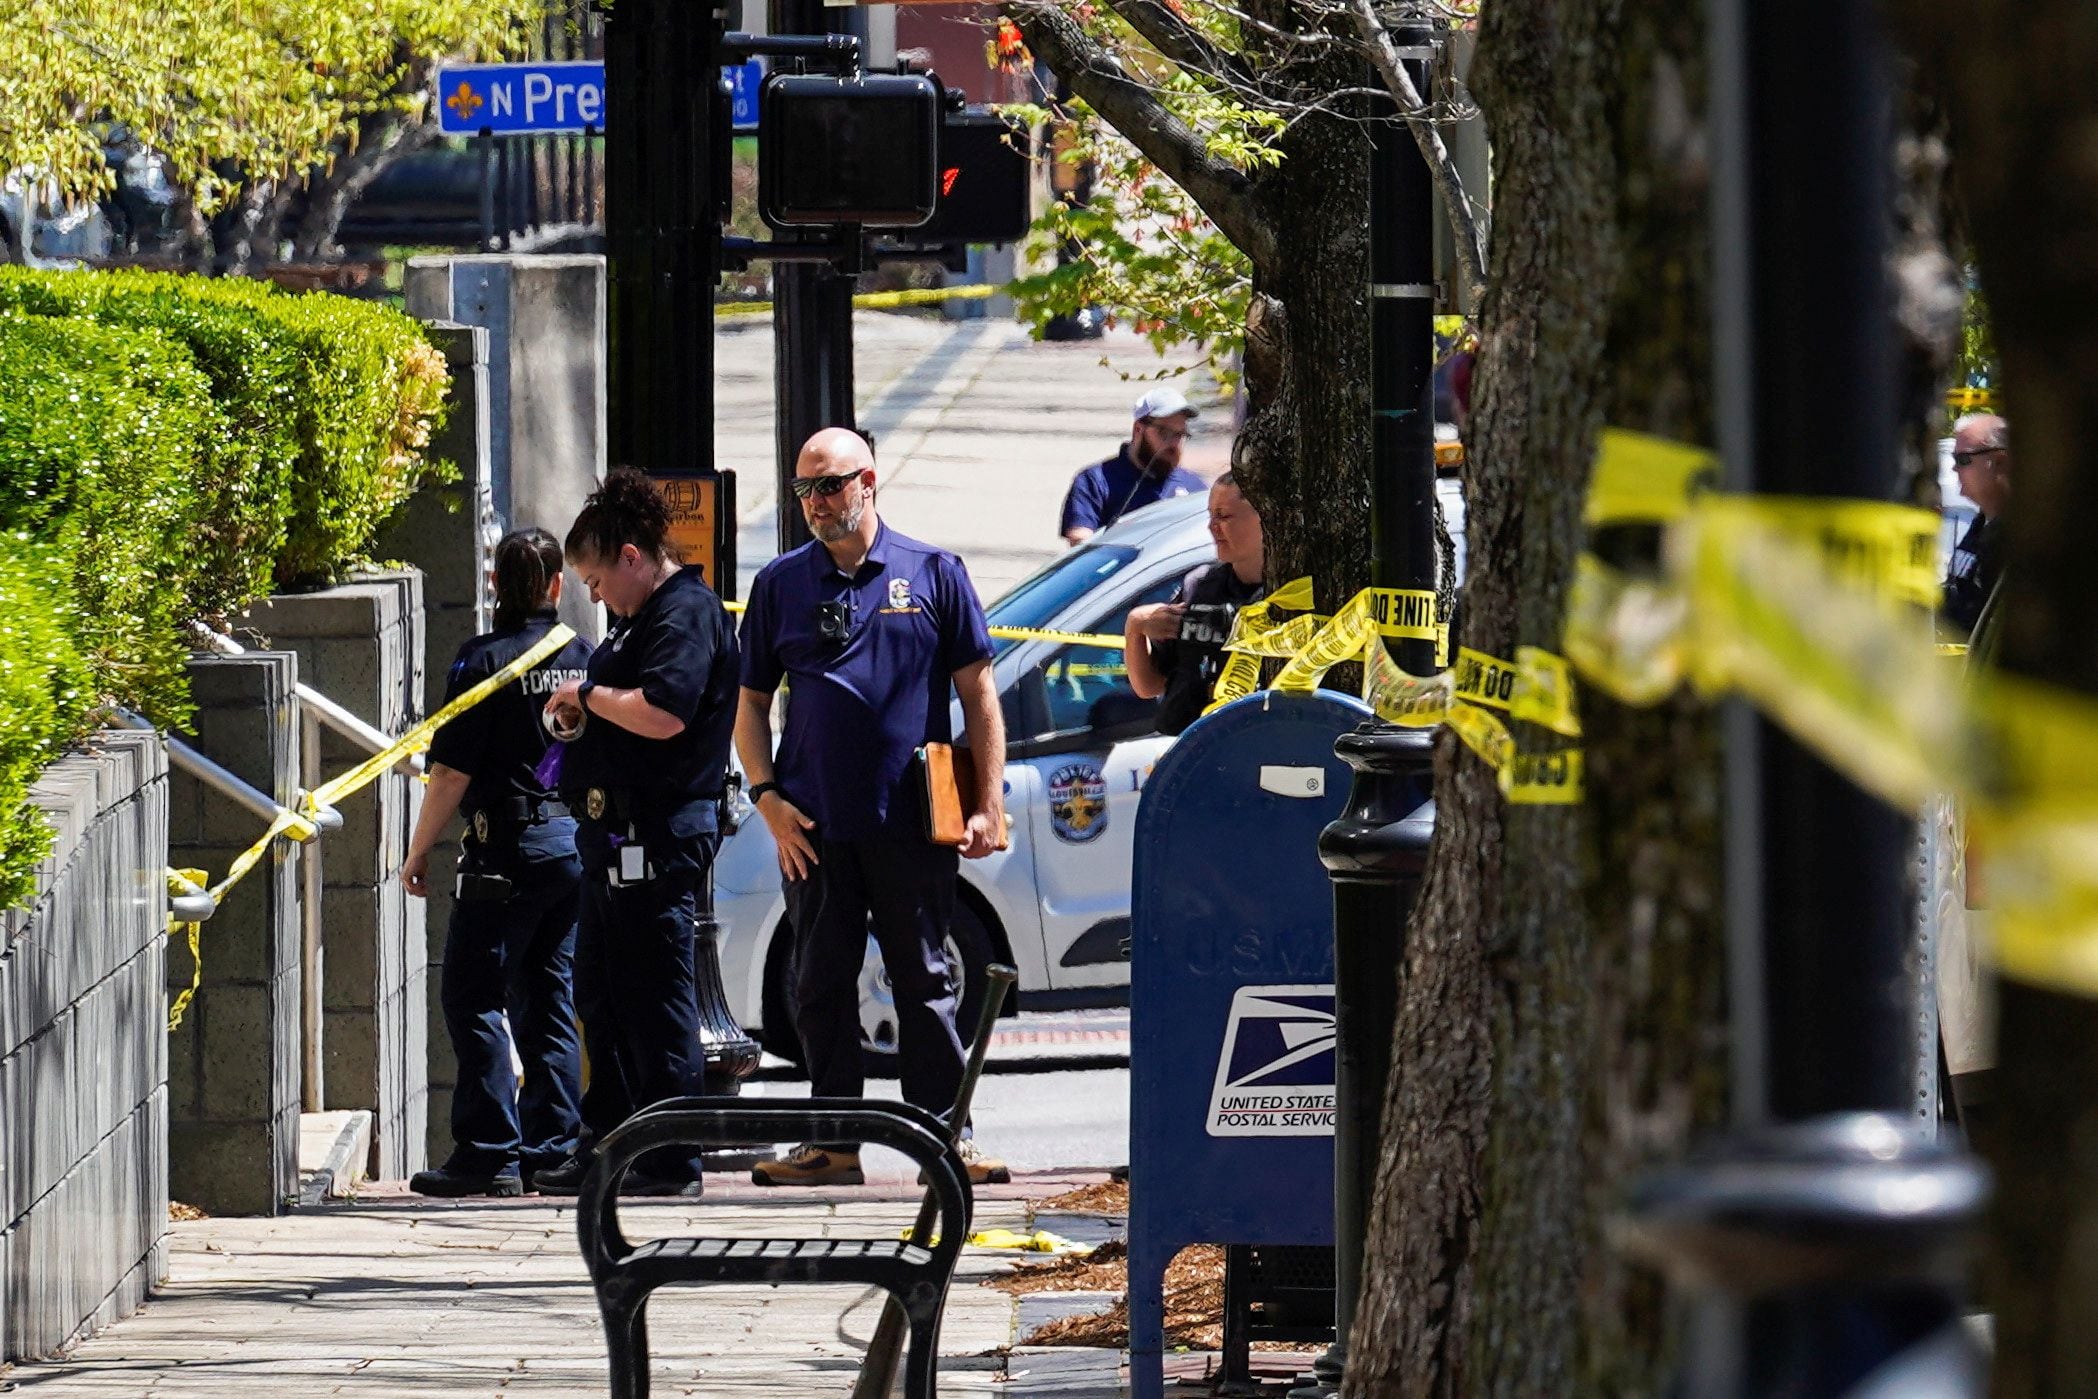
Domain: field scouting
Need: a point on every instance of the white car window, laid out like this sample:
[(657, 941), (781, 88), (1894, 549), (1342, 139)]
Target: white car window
[(1077, 677)]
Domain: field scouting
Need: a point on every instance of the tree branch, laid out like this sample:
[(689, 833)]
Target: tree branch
[(1466, 224), (1224, 192), (1186, 46)]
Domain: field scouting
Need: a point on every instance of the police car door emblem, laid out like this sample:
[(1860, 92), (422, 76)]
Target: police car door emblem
[(1078, 802), (899, 593)]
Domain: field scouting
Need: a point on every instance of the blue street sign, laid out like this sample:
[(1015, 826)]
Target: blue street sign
[(519, 99), (744, 80), (539, 99)]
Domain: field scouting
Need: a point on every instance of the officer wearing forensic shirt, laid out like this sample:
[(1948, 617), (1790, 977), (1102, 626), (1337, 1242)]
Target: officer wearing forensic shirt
[(873, 634), (509, 950), (647, 766)]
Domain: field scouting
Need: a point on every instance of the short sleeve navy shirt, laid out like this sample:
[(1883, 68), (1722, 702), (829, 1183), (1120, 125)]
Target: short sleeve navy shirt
[(679, 651), (1106, 491), (858, 709), (499, 742)]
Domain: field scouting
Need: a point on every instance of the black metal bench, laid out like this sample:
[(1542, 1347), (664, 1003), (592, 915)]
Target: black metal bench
[(915, 1272)]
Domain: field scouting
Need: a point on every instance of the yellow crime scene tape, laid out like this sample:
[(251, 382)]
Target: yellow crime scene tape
[(299, 825), (1076, 638), (875, 300), (1536, 688), (1810, 609)]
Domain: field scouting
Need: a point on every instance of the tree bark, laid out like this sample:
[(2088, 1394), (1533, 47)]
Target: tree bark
[(1303, 454), (1481, 1225), (2015, 78)]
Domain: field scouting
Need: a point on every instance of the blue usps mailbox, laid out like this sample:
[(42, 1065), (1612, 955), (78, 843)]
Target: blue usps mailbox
[(1231, 996)]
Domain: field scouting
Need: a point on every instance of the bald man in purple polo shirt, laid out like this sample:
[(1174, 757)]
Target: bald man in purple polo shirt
[(873, 633)]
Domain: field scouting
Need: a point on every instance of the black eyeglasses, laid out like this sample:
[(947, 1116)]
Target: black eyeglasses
[(806, 486), (1967, 458)]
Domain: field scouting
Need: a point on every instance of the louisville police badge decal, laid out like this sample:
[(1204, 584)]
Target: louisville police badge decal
[(1077, 803)]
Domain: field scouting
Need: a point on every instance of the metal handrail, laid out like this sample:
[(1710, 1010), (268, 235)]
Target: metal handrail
[(226, 783), (334, 715)]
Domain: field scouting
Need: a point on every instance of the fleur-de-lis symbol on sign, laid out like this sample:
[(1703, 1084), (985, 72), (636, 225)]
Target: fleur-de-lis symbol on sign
[(464, 101)]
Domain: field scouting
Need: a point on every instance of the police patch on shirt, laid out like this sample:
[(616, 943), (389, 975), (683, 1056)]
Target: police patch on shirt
[(1077, 802), (899, 592)]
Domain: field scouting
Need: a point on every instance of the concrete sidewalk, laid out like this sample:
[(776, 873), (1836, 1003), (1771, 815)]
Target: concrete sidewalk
[(395, 1296)]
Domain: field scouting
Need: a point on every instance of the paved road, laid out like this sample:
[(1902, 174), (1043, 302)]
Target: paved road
[(979, 431)]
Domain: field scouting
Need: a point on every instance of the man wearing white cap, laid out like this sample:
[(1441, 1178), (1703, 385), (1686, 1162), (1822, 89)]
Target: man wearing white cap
[(1144, 470)]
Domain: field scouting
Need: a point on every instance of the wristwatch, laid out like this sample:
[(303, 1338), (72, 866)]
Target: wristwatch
[(582, 694), (757, 793)]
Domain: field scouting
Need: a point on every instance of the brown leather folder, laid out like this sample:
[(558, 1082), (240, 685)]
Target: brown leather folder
[(950, 794)]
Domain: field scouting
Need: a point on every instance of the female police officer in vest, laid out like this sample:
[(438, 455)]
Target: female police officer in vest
[(511, 942), (647, 765)]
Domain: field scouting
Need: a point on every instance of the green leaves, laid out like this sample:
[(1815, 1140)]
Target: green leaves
[(170, 447), (1143, 251), (226, 90)]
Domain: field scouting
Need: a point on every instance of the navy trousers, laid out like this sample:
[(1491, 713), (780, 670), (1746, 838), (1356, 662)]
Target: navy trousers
[(635, 985), (506, 975), (906, 888)]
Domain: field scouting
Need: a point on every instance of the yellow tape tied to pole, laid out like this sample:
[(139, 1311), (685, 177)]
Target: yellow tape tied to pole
[(1810, 609)]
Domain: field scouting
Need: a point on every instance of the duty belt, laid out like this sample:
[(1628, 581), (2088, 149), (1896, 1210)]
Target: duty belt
[(499, 817)]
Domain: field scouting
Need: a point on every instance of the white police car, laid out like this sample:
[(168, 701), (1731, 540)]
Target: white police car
[(1079, 747)]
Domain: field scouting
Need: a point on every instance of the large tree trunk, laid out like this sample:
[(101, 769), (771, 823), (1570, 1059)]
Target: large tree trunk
[(1303, 454), (1481, 1224), (2016, 78), (1657, 968)]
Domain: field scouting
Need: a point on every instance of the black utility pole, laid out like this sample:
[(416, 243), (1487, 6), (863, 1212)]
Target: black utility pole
[(661, 232), (811, 321), (1377, 850), (1825, 1233), (663, 148)]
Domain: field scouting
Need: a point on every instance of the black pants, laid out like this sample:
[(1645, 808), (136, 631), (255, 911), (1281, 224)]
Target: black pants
[(507, 965), (907, 888), (634, 985)]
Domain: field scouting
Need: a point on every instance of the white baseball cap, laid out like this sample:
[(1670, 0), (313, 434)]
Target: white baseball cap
[(1164, 403)]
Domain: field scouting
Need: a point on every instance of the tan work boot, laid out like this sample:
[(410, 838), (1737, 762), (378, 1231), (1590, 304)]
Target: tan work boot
[(983, 1170), (809, 1164)]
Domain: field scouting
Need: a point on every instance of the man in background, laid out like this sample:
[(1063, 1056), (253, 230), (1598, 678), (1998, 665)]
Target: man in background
[(1144, 470), (1981, 461)]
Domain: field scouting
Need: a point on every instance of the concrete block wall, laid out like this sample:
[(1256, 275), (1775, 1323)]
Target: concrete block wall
[(233, 1063), (449, 533), (83, 1055), (545, 317), (361, 645)]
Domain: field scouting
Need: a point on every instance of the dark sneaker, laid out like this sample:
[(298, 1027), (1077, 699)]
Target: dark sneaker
[(810, 1165), (638, 1184), (982, 1169), (444, 1183), (564, 1179)]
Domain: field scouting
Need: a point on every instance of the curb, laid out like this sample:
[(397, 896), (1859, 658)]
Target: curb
[(344, 1164)]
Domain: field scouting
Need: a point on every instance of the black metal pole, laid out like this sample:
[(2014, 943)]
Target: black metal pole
[(1377, 850), (486, 141), (664, 245), (811, 324), (1824, 1234)]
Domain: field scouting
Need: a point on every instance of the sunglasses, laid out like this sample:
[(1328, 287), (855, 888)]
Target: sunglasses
[(806, 486), (1967, 458)]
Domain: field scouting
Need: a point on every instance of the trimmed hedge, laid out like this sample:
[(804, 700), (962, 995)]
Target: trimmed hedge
[(172, 447)]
